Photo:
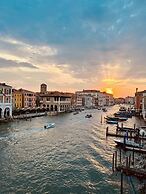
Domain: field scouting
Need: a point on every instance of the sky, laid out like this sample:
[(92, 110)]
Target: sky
[(74, 44)]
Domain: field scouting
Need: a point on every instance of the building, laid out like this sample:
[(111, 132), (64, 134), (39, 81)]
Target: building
[(138, 101), (130, 100), (87, 98), (5, 101), (54, 101), (119, 100), (17, 97), (144, 105), (28, 98)]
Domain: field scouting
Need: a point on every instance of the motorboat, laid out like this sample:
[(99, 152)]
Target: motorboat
[(111, 122), (49, 125), (88, 116), (127, 143), (104, 109), (75, 113)]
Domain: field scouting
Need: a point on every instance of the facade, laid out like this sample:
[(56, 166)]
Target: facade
[(144, 105), (93, 98), (5, 101), (87, 98), (129, 100), (17, 99), (55, 101), (138, 101), (119, 100), (28, 98)]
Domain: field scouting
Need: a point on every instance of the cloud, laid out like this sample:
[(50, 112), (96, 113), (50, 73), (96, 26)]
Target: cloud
[(93, 43), (6, 64)]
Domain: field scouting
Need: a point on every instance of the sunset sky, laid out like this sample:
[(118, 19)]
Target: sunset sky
[(74, 44)]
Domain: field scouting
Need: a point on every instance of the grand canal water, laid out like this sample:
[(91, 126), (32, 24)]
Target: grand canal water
[(74, 157)]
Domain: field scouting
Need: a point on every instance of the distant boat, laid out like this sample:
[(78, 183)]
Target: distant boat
[(88, 116), (104, 109), (49, 125), (127, 143), (75, 113)]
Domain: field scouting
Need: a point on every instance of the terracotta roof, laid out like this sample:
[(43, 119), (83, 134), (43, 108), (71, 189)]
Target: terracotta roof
[(3, 84)]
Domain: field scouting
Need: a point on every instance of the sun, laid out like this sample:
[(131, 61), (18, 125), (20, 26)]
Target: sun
[(109, 90)]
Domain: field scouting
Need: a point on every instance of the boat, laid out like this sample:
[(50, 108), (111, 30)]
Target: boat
[(123, 114), (111, 122), (88, 116), (127, 143), (49, 125), (75, 113), (120, 119), (104, 109), (122, 108)]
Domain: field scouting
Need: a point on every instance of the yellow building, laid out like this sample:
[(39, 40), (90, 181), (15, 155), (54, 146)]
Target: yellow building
[(17, 99)]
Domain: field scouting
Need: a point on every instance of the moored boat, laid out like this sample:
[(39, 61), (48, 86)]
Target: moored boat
[(127, 143), (111, 122)]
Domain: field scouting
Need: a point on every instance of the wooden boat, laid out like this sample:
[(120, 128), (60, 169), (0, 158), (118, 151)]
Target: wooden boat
[(111, 122), (116, 119), (49, 125), (127, 143)]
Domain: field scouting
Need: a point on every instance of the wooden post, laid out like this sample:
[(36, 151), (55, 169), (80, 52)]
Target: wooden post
[(134, 126), (120, 157), (115, 159), (121, 192), (113, 163), (122, 125), (129, 160), (101, 119), (133, 157), (106, 131)]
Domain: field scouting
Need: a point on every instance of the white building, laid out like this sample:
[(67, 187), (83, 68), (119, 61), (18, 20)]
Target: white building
[(5, 101), (129, 100)]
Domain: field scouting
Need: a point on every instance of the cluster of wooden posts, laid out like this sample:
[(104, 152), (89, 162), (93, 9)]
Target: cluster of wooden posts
[(125, 159)]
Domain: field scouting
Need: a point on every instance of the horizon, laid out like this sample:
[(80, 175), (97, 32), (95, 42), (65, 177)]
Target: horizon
[(73, 45)]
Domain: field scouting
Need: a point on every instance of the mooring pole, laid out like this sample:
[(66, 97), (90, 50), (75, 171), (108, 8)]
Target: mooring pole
[(121, 182), (113, 163)]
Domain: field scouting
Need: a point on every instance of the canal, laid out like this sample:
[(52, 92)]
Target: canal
[(74, 157)]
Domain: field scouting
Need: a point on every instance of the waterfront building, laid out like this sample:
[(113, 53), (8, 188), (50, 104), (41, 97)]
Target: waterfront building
[(138, 101), (5, 101), (87, 98), (54, 101), (17, 97), (130, 100), (119, 100), (144, 105), (23, 99), (93, 98)]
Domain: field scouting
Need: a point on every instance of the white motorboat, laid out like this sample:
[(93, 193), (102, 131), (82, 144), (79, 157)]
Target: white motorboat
[(49, 125)]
